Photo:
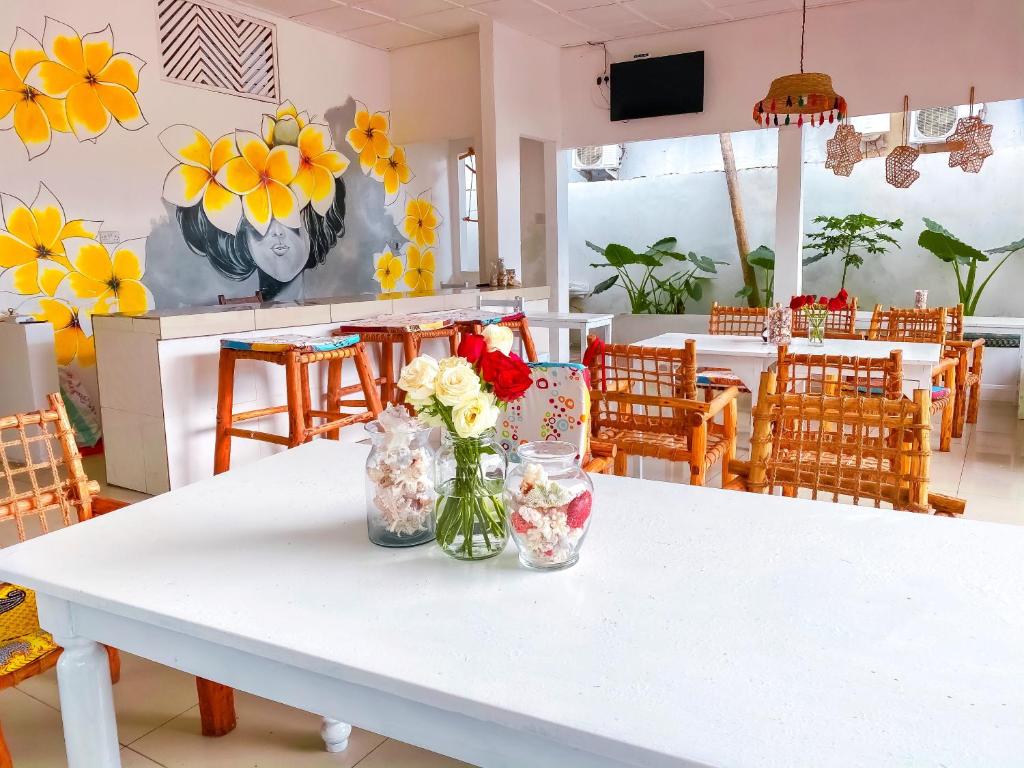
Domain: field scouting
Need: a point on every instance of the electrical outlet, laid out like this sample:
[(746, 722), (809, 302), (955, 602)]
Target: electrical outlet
[(109, 236)]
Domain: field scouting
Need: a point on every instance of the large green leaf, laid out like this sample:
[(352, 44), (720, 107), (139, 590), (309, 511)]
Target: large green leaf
[(665, 244), (693, 288), (604, 285), (620, 255), (1015, 246), (593, 247), (948, 248), (762, 256), (934, 226)]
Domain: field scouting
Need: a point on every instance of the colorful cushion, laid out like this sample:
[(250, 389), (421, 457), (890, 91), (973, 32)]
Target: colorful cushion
[(286, 342), (17, 652), (17, 611), (556, 407), (714, 378), (417, 321), (939, 392)]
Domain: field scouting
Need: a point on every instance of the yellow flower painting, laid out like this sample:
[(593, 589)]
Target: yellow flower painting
[(420, 222), (195, 176), (419, 268), (319, 166), (285, 125), (32, 243), (262, 176), (369, 138), (113, 280), (34, 116), (388, 271), (393, 172), (95, 83), (72, 332)]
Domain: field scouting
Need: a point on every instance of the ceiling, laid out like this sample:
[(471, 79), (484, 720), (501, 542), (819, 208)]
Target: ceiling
[(390, 24)]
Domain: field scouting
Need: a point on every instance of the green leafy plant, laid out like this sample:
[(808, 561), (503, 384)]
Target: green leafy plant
[(648, 293), (764, 258), (851, 237), (964, 259)]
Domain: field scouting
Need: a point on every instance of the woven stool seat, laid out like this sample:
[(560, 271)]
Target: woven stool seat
[(289, 342), (639, 442)]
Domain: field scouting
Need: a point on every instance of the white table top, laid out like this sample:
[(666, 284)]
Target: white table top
[(749, 346), (699, 627)]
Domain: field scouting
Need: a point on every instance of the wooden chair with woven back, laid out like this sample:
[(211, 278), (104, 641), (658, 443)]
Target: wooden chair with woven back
[(730, 321), (968, 374), (924, 326), (644, 402), (839, 323), (42, 486), (842, 447)]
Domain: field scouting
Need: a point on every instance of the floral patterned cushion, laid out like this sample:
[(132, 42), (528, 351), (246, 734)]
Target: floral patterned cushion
[(289, 341), (17, 652), (21, 639), (556, 407)]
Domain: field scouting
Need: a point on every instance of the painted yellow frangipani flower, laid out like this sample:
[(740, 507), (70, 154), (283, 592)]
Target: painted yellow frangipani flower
[(94, 82), (33, 245), (419, 268), (393, 171), (195, 176), (319, 166), (262, 176), (420, 222), (389, 270), (114, 280), (284, 126), (72, 332), (33, 115), (370, 138)]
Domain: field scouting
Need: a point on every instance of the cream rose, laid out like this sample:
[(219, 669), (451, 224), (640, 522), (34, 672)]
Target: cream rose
[(475, 416), (499, 338), (418, 378), (456, 381)]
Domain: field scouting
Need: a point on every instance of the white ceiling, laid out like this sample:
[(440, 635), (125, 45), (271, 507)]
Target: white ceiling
[(390, 24)]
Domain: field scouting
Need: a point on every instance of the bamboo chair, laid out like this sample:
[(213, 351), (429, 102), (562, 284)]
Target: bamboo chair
[(803, 373), (644, 402), (730, 321), (839, 323), (924, 326), (843, 446), (968, 375)]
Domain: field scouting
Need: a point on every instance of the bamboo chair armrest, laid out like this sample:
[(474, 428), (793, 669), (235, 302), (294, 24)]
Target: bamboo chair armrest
[(947, 506), (103, 504), (720, 401), (740, 467), (948, 363), (976, 344), (602, 450)]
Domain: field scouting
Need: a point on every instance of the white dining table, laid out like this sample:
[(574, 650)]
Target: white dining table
[(748, 357), (700, 627)]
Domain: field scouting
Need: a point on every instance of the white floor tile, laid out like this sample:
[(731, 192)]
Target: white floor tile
[(33, 731), (395, 754)]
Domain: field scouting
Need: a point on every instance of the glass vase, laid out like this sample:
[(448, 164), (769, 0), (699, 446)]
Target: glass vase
[(399, 487), (816, 325), (469, 514), (548, 497)]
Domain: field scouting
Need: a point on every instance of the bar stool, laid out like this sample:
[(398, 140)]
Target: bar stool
[(475, 320), (407, 330), (295, 353)]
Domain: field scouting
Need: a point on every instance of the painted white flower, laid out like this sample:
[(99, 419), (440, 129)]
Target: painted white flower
[(457, 382), (418, 378), (499, 338), (476, 415)]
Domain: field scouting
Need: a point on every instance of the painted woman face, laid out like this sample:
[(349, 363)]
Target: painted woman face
[(281, 253)]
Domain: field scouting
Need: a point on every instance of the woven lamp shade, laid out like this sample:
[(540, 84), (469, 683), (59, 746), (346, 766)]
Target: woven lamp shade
[(805, 93)]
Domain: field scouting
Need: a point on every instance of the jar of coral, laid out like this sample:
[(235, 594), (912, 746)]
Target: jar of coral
[(548, 498)]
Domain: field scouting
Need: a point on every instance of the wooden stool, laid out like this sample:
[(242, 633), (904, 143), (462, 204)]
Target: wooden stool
[(295, 353), (409, 334), (517, 322)]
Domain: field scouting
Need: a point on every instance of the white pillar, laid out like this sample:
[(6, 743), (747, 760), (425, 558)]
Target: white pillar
[(789, 214), (556, 188)]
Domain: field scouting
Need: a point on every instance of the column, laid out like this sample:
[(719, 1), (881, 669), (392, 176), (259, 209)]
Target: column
[(789, 214)]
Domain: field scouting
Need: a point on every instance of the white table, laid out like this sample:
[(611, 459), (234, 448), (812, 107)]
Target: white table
[(700, 628), (749, 357), (584, 322)]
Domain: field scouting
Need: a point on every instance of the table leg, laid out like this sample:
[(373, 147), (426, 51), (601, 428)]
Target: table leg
[(335, 734), (87, 704)]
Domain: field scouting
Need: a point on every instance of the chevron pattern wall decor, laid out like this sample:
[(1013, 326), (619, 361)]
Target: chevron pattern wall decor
[(224, 51)]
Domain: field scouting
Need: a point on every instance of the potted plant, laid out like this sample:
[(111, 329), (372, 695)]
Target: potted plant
[(851, 237), (762, 257)]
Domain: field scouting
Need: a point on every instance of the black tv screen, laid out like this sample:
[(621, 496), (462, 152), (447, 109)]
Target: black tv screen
[(665, 85)]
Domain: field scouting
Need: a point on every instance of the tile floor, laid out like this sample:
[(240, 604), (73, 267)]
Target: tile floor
[(157, 711)]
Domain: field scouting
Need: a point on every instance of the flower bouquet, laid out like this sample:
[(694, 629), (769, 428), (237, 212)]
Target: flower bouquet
[(462, 394), (815, 311)]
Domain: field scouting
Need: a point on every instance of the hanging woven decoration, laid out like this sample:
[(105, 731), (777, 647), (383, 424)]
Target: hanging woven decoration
[(843, 151), (899, 164), (975, 137), (799, 98)]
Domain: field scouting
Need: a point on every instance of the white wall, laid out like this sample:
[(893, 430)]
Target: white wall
[(875, 50)]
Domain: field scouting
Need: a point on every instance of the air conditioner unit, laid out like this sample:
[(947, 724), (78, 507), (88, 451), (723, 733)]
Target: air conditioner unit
[(597, 158), (935, 124)]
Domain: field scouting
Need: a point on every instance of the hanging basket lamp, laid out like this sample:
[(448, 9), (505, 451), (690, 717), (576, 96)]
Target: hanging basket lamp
[(804, 93)]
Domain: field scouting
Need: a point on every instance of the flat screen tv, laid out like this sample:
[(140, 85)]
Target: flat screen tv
[(665, 85)]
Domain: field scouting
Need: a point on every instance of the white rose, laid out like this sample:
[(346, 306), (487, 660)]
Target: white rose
[(418, 377), (475, 416), (456, 381), (498, 337)]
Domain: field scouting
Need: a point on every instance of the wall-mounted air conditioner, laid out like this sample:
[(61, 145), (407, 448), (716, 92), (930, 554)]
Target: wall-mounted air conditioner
[(935, 124), (597, 158)]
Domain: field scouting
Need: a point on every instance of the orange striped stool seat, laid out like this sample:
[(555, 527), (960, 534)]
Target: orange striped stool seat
[(295, 353)]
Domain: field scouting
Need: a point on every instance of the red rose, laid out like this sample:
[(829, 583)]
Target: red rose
[(472, 347), (843, 296), (507, 374), (799, 301), (836, 304)]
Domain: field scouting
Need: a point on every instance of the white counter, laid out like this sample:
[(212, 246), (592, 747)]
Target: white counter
[(158, 377)]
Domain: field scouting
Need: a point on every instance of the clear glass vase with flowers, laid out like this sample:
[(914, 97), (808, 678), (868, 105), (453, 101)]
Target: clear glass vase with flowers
[(462, 395), (815, 312)]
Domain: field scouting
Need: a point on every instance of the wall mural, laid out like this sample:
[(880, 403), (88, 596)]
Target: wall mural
[(67, 84)]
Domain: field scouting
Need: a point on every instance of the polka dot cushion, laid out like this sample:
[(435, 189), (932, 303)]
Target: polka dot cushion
[(556, 407)]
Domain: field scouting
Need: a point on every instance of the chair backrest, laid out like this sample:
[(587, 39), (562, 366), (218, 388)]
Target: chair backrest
[(839, 374), (955, 323), (901, 324), (556, 407), (868, 448), (256, 298), (838, 322), (41, 470), (642, 388), (737, 321)]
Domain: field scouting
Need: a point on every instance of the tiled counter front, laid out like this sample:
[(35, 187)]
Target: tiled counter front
[(158, 378)]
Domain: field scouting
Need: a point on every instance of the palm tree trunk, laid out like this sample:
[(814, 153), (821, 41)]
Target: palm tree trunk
[(732, 182)]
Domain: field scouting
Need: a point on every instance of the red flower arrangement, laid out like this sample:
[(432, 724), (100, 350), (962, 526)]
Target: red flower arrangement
[(508, 375), (837, 302)]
